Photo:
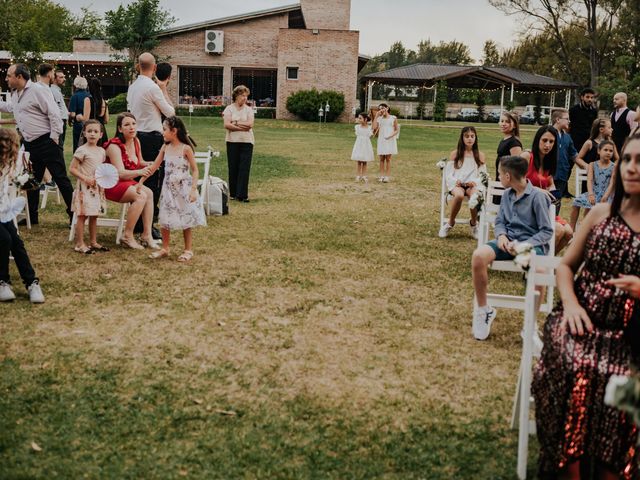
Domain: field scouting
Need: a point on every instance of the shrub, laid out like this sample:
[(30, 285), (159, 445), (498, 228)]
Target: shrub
[(266, 112), (306, 103), (118, 104), (210, 111)]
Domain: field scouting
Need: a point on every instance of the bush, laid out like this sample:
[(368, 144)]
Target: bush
[(306, 104), (266, 112), (118, 104), (210, 111)]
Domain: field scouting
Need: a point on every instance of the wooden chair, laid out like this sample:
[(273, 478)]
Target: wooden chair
[(541, 274), (44, 194)]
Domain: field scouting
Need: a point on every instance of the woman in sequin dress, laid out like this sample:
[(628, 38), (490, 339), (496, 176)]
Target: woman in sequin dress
[(585, 342)]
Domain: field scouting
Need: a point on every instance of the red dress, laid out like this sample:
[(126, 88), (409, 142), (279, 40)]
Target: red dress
[(541, 181), (115, 194)]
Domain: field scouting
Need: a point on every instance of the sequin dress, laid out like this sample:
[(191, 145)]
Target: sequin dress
[(571, 377)]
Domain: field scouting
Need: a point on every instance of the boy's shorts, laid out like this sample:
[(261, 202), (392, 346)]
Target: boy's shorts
[(502, 255)]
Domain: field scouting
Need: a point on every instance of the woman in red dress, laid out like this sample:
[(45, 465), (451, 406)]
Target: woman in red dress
[(123, 152)]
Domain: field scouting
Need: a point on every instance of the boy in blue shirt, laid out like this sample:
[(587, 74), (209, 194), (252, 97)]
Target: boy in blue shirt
[(523, 217)]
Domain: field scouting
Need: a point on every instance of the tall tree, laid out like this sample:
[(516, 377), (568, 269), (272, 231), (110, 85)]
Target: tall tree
[(397, 55), (88, 24), (490, 53), (135, 27), (454, 53), (595, 17)]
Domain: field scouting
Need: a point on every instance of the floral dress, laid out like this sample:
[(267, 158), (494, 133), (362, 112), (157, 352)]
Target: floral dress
[(601, 178), (570, 379), (176, 211), (89, 201)]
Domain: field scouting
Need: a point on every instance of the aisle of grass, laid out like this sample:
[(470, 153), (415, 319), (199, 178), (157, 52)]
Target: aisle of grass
[(321, 331)]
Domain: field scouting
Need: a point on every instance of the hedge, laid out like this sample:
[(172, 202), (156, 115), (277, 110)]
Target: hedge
[(306, 104)]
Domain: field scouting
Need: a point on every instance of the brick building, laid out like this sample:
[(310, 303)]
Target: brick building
[(274, 52)]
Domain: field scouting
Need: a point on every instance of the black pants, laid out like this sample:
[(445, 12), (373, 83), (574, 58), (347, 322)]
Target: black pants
[(150, 144), (239, 161), (10, 242), (77, 131), (46, 154)]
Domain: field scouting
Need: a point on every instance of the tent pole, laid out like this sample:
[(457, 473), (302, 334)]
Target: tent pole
[(553, 104), (502, 100), (369, 94), (511, 99), (567, 99)]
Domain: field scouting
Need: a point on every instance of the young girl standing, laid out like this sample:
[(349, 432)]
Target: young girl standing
[(88, 197), (598, 181), (386, 126), (362, 150), (180, 205), (462, 176), (10, 241)]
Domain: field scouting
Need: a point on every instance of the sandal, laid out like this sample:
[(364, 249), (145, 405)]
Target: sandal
[(162, 253), (131, 243), (99, 248), (153, 244), (85, 250), (186, 256)]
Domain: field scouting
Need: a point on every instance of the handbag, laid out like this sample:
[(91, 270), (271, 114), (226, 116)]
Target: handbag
[(27, 168)]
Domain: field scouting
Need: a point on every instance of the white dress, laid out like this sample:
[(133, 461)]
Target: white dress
[(385, 129), (176, 211), (362, 149), (468, 172)]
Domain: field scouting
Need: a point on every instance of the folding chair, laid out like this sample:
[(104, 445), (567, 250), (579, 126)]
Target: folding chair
[(117, 223), (204, 159), (44, 194), (444, 200), (487, 220), (581, 176), (522, 401), (13, 193)]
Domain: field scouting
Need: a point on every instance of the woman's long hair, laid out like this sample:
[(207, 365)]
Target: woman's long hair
[(9, 143), (458, 161), (178, 124), (550, 161), (95, 89), (618, 189), (597, 124)]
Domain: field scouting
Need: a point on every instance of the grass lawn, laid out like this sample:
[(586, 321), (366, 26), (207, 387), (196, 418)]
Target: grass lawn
[(321, 331)]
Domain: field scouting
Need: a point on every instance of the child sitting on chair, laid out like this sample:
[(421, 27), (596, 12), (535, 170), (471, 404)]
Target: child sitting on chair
[(523, 217)]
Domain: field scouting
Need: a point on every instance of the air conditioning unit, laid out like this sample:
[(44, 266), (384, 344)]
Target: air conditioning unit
[(214, 41)]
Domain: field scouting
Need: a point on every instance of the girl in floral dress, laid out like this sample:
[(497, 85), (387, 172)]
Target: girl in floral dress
[(587, 339), (180, 205), (88, 197)]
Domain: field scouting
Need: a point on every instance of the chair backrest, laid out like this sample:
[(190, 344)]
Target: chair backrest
[(204, 159), (489, 210), (581, 176)]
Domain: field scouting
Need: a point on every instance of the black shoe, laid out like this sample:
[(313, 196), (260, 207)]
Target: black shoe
[(155, 234), (23, 222), (244, 200)]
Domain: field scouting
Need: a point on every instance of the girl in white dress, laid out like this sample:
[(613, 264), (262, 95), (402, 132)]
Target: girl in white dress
[(385, 126), (462, 177), (362, 150), (180, 205)]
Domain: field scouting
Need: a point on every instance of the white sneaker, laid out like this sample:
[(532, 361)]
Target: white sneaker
[(444, 230), (474, 230), (6, 294), (482, 320), (385, 179), (364, 179), (35, 293), (358, 178), (381, 179)]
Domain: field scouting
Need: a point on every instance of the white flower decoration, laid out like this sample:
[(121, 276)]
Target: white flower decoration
[(615, 382)]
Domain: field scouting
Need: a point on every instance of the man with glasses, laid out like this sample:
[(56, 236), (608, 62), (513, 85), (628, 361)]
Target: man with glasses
[(567, 152)]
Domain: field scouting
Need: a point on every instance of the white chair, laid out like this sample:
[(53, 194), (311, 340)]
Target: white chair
[(13, 193), (204, 159), (444, 200), (581, 176), (487, 221), (44, 194), (117, 223), (541, 274)]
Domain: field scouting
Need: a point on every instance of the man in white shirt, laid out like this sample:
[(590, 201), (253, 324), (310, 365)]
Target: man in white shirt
[(148, 101), (59, 80)]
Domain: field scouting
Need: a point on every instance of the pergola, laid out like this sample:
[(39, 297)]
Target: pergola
[(427, 75)]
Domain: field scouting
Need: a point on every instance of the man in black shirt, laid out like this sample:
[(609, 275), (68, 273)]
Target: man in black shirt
[(582, 116)]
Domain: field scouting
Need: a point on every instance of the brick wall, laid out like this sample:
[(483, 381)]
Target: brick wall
[(326, 14), (326, 61)]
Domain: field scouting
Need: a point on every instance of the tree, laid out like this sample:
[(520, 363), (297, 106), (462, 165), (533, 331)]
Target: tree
[(490, 54), (596, 18), (397, 55), (440, 107), (30, 27), (88, 24), (454, 53), (136, 27)]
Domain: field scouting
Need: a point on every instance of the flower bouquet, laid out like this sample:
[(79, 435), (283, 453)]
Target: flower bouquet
[(441, 163), (623, 392), (477, 199), (523, 254), (25, 180)]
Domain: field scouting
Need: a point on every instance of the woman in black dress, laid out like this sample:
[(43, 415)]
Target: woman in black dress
[(510, 144)]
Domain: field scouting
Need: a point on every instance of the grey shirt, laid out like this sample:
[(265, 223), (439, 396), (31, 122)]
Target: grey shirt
[(525, 218), (35, 112), (59, 99)]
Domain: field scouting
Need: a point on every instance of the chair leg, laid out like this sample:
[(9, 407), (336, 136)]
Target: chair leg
[(45, 195), (120, 230), (58, 194), (72, 229), (515, 411)]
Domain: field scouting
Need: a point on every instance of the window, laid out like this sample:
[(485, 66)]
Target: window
[(262, 83), (292, 73), (200, 85)]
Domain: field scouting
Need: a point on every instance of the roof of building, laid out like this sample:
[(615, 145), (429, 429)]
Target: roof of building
[(234, 18), (71, 57), (467, 76)]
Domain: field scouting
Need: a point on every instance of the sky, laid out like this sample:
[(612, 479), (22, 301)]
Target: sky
[(380, 22)]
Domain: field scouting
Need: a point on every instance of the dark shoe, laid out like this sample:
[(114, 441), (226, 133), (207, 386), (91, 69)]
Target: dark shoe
[(23, 222), (244, 200), (155, 233)]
